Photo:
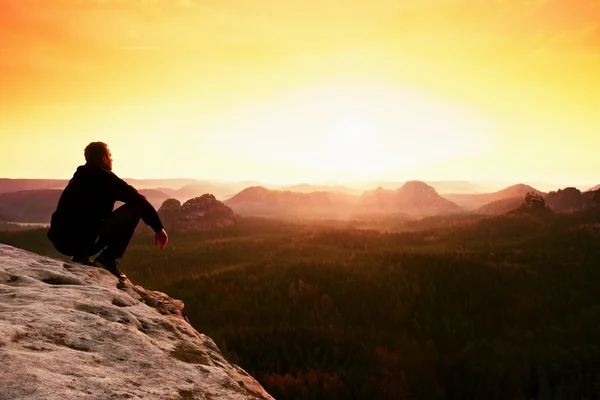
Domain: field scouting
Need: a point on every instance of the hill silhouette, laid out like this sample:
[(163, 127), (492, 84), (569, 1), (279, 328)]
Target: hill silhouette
[(260, 201), (182, 189), (571, 199), (476, 201), (221, 190), (444, 187), (309, 188), (501, 206), (18, 185), (413, 198), (155, 197), (30, 205), (439, 186)]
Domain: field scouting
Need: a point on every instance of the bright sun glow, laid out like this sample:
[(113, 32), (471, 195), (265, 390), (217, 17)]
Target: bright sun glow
[(275, 91), (360, 131)]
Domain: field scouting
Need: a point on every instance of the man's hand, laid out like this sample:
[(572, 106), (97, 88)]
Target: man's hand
[(161, 239)]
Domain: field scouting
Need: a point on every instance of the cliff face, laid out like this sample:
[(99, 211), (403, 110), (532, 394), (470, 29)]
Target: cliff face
[(73, 332)]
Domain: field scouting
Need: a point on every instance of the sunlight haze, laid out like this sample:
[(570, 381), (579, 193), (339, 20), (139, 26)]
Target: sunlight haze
[(295, 91)]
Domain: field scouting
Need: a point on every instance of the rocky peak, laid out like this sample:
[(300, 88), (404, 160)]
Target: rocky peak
[(202, 212), (377, 192), (68, 332), (251, 194), (520, 189), (417, 192), (417, 188), (170, 205), (203, 206)]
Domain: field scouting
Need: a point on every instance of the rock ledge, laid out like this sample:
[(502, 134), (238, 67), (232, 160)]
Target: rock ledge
[(73, 332)]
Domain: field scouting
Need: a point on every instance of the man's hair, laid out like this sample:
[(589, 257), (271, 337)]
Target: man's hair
[(95, 151)]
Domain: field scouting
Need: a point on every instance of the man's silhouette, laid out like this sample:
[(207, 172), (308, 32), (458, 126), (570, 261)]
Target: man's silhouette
[(84, 222)]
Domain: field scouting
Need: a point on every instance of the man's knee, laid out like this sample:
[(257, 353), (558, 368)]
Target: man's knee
[(129, 212)]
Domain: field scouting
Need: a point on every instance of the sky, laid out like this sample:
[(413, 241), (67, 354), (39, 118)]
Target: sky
[(303, 91)]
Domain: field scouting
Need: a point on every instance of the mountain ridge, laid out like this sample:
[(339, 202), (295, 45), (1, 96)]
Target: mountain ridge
[(412, 198), (593, 189), (475, 201)]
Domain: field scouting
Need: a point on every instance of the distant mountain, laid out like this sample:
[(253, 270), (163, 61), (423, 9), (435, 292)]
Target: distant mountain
[(413, 198), (476, 201), (167, 191), (572, 199), (378, 200), (501, 206), (219, 190), (421, 195), (19, 185), (516, 190), (309, 188), (181, 189), (29, 205), (185, 189), (171, 183), (440, 186), (155, 197), (258, 200), (443, 187), (597, 187)]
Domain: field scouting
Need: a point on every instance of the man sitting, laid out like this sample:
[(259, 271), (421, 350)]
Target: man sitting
[(84, 222)]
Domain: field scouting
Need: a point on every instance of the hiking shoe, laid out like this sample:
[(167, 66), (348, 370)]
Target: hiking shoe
[(82, 260), (110, 265)]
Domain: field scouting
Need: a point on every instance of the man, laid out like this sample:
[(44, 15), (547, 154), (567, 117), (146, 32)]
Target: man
[(84, 222)]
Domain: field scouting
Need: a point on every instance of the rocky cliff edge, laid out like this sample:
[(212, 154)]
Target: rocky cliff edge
[(73, 332)]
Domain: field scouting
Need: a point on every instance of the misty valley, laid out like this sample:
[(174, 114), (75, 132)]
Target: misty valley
[(386, 305)]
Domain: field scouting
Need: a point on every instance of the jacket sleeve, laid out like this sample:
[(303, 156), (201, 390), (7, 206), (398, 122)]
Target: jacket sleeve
[(129, 195)]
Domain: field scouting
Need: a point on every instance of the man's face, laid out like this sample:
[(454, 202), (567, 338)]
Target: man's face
[(107, 160)]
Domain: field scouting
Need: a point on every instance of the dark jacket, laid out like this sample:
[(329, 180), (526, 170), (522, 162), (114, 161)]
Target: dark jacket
[(89, 198)]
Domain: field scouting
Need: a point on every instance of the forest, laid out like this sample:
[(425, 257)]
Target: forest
[(503, 307)]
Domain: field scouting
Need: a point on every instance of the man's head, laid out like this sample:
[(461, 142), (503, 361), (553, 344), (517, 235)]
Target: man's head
[(98, 154)]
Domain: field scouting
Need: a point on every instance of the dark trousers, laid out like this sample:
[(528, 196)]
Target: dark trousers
[(113, 236)]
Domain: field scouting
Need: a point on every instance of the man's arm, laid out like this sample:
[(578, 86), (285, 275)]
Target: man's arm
[(129, 195)]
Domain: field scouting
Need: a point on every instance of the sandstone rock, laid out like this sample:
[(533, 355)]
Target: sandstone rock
[(71, 332)]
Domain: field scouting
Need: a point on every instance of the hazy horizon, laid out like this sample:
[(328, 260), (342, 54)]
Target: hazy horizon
[(442, 90), (478, 186)]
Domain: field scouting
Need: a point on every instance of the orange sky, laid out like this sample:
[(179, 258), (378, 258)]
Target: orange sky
[(303, 90)]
